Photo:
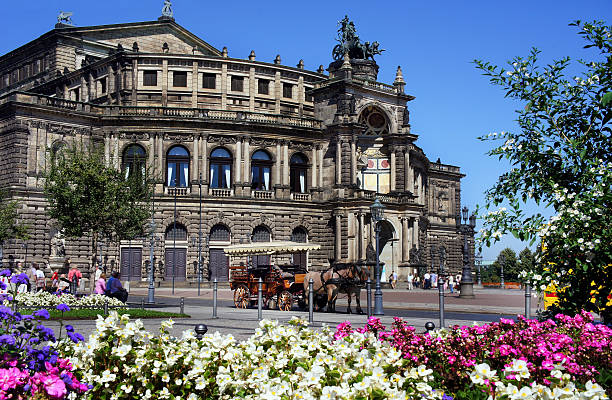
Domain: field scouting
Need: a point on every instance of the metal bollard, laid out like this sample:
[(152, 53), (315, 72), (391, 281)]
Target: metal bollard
[(527, 301), (259, 298), (441, 301), (200, 330), (429, 327), (369, 295), (106, 307), (215, 284), (182, 305), (310, 301), (142, 304)]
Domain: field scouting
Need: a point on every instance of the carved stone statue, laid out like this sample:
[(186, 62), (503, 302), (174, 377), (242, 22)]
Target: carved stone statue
[(58, 245), (64, 18), (167, 9), (370, 253), (349, 43)]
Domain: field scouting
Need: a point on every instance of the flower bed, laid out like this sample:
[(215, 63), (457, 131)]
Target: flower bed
[(526, 359), (50, 300)]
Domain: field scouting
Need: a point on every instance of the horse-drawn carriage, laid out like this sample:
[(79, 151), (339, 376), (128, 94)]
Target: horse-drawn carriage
[(281, 284)]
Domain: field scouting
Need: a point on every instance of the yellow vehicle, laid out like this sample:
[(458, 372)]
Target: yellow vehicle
[(550, 296)]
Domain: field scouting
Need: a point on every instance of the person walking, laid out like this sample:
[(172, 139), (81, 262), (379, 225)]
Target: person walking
[(410, 281), (74, 276), (451, 284), (41, 281), (55, 280), (427, 281), (101, 284), (393, 279), (31, 274)]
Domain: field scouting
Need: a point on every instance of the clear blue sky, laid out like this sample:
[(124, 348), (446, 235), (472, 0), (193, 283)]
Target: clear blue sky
[(434, 42)]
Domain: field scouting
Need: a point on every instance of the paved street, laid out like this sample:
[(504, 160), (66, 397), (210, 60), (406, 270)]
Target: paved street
[(416, 307)]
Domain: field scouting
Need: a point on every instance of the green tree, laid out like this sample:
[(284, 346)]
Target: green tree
[(507, 260), (562, 159), (10, 227), (87, 197), (526, 260)]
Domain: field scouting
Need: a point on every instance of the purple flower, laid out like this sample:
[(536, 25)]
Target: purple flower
[(42, 314), (69, 328), (20, 279), (63, 308), (7, 339), (46, 333), (6, 272), (2, 285), (76, 337)]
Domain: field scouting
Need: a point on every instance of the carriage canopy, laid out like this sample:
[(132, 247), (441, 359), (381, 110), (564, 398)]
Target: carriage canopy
[(270, 248)]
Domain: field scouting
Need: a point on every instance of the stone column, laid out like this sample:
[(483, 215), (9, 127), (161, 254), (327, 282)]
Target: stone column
[(160, 155), (204, 156), (164, 82), (361, 237), (338, 255), (237, 162), (277, 165), (117, 157), (285, 163), (320, 151), (195, 75), (415, 232), (224, 83), (339, 161), (313, 168), (393, 171), (353, 161), (135, 82), (196, 153), (405, 240), (107, 146), (151, 160), (407, 172), (247, 160)]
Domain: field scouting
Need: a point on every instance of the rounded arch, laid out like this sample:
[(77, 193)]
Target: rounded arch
[(220, 233), (261, 169), (57, 149), (298, 158), (388, 248), (299, 234), (220, 171), (177, 166), (180, 230), (133, 160), (375, 119), (262, 155), (261, 233)]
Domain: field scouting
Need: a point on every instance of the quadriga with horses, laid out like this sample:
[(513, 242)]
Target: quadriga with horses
[(347, 278)]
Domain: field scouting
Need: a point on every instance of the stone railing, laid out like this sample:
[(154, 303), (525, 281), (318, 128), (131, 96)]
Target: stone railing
[(377, 85), (444, 168), (216, 192), (262, 194), (389, 198), (177, 191), (172, 112), (300, 196)]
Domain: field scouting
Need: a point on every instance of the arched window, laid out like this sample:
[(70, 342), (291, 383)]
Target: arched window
[(220, 168), (219, 233), (134, 158), (298, 173), (299, 235), (261, 234), (374, 120), (181, 232), (261, 166), (177, 161)]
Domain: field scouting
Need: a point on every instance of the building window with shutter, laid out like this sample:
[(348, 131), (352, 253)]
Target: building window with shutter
[(149, 78), (209, 81), (237, 84), (263, 86), (103, 85), (287, 90), (179, 79)]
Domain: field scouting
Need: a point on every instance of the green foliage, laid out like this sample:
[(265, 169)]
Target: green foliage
[(92, 313), (526, 260), (562, 159), (507, 259), (10, 227), (86, 197)]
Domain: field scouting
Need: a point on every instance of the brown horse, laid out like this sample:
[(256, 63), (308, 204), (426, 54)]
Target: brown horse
[(323, 292), (354, 277)]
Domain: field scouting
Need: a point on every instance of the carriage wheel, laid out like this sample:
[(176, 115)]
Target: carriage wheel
[(285, 301), (241, 297)]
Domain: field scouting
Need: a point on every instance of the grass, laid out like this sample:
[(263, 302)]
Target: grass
[(93, 314)]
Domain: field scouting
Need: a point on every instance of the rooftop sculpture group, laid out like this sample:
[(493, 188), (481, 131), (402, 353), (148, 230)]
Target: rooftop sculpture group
[(349, 43)]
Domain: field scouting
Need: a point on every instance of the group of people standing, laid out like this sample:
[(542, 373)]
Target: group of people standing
[(431, 280)]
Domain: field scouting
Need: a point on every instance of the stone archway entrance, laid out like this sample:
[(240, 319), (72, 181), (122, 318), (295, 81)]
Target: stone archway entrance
[(388, 246)]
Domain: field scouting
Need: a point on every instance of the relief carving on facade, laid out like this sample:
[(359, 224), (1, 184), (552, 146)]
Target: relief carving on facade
[(222, 139), (134, 136)]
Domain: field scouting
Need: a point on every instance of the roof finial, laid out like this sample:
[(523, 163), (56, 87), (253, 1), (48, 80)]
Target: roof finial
[(399, 82), (167, 12), (277, 60), (64, 18), (252, 55)]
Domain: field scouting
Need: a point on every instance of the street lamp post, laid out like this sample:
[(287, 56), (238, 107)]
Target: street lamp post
[(200, 238), (151, 292), (467, 284), (442, 252), (478, 262), (377, 210)]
